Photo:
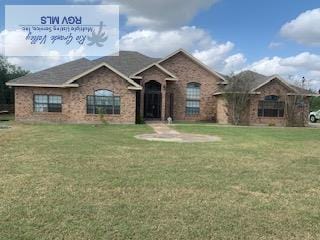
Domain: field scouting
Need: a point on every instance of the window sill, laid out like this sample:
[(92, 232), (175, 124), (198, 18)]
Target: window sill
[(104, 115), (45, 113), (272, 117)]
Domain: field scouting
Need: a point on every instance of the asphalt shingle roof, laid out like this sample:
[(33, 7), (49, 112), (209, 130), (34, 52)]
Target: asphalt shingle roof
[(128, 62), (57, 75), (255, 79)]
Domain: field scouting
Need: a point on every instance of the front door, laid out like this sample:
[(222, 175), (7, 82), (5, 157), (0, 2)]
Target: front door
[(152, 100)]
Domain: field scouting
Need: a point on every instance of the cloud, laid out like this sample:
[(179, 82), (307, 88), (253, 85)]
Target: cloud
[(295, 67), (276, 65), (303, 60), (215, 55), (156, 43), (37, 63), (234, 62), (161, 43), (196, 41), (271, 66), (12, 43), (304, 29), (53, 58), (274, 45), (164, 14)]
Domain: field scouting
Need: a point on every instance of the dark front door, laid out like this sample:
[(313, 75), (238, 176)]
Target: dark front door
[(152, 100)]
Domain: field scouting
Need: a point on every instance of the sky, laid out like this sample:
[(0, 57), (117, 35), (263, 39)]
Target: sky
[(270, 37)]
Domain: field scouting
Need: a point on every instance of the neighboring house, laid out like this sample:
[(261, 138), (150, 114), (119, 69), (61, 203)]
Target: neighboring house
[(133, 86)]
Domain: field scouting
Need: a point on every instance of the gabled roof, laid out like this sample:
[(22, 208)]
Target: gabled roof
[(54, 77), (273, 77), (127, 62), (196, 61), (171, 77), (66, 74), (134, 85), (256, 80)]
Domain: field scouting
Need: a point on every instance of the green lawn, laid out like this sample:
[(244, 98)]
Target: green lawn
[(86, 182), (6, 117)]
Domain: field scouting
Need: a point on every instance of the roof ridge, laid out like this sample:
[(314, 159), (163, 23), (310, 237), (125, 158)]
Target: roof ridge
[(251, 71)]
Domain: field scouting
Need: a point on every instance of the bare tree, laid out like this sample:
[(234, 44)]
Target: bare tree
[(297, 106), (296, 109), (237, 95)]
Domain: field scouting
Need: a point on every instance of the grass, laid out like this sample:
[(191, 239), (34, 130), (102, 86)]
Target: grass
[(6, 117), (85, 182)]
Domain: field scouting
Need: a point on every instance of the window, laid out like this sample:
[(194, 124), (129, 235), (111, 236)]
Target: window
[(103, 102), (103, 93), (47, 103), (193, 99), (271, 98), (271, 107)]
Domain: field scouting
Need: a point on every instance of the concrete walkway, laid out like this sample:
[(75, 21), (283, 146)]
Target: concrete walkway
[(166, 134)]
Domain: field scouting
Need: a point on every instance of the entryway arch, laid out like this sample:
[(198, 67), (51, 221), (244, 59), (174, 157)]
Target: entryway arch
[(152, 100)]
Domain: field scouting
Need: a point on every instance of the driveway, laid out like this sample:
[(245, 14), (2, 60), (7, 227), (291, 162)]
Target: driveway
[(314, 125)]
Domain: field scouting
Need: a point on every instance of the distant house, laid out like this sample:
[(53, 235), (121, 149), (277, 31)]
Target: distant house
[(131, 85)]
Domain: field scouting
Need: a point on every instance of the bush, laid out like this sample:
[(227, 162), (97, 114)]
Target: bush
[(315, 104)]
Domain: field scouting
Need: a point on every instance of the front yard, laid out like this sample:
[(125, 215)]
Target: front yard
[(86, 182)]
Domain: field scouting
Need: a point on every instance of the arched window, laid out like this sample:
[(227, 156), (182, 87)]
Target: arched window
[(103, 102), (271, 107), (193, 99), (271, 98), (103, 93)]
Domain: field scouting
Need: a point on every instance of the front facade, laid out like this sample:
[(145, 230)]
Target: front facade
[(73, 104), (132, 87)]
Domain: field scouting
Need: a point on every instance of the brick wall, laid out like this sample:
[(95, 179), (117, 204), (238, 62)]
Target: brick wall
[(222, 110), (188, 71), (275, 87), (74, 100)]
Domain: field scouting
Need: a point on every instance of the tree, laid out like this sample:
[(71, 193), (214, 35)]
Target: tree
[(237, 96), (297, 105), (296, 113), (7, 72)]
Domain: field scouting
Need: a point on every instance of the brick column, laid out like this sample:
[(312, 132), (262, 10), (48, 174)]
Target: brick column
[(163, 103), (142, 102)]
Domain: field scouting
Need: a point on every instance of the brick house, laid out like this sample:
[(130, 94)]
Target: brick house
[(132, 86)]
